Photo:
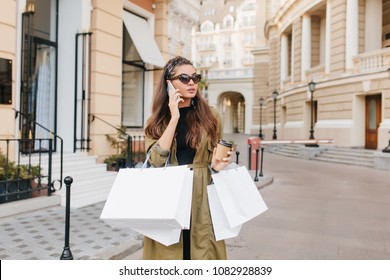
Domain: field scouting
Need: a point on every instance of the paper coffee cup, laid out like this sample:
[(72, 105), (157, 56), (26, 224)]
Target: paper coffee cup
[(222, 149)]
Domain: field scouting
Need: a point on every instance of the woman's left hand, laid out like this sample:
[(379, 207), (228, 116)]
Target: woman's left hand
[(218, 165)]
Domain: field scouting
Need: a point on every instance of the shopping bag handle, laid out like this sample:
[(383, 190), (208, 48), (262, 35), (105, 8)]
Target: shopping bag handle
[(145, 164)]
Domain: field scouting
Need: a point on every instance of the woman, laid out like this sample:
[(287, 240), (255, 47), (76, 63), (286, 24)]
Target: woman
[(183, 126)]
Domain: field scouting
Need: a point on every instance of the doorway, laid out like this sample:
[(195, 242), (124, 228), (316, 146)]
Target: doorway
[(38, 92), (373, 119), (232, 109)]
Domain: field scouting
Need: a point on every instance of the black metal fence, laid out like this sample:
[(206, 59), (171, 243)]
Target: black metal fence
[(130, 148), (132, 153), (28, 174)]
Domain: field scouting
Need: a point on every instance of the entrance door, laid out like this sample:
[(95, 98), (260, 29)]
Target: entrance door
[(373, 118), (38, 74)]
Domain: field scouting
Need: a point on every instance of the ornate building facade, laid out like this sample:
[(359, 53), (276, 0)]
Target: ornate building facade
[(75, 66), (343, 47), (222, 46)]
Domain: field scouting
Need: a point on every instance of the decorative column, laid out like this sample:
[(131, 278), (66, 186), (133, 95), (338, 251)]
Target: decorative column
[(352, 32), (328, 36), (292, 56), (306, 46), (283, 59), (373, 25)]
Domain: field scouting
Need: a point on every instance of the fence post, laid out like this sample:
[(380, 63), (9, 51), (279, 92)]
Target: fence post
[(66, 253), (128, 158), (249, 156), (50, 186), (257, 165), (261, 166)]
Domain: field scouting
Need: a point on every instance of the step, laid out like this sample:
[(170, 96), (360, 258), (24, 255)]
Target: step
[(88, 193), (346, 157), (287, 150), (28, 205), (339, 155), (352, 152), (89, 188), (341, 161), (69, 163), (85, 171), (91, 180), (56, 157), (286, 153)]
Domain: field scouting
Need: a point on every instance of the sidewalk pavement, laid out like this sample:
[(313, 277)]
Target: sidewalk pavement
[(317, 210), (40, 234)]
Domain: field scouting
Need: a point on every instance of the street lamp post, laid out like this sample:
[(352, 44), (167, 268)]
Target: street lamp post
[(261, 102), (312, 87), (274, 96)]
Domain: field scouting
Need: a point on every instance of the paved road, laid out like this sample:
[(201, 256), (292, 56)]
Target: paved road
[(317, 210)]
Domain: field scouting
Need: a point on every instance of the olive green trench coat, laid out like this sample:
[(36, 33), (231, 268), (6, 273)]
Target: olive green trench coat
[(203, 244)]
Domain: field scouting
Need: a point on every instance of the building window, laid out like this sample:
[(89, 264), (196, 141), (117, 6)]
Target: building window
[(249, 6), (132, 84), (228, 22), (248, 58), (5, 81), (210, 12), (248, 20), (227, 41), (249, 38), (207, 26), (228, 61), (286, 55)]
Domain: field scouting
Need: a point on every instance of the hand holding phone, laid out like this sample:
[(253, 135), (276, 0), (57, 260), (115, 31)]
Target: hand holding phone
[(170, 87)]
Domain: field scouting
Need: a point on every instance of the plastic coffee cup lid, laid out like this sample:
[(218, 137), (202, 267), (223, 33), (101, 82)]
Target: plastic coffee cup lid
[(225, 143)]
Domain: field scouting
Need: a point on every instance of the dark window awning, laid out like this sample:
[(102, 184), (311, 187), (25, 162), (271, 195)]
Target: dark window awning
[(143, 39)]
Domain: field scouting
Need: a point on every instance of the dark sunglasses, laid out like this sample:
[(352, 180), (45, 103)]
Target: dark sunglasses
[(185, 79)]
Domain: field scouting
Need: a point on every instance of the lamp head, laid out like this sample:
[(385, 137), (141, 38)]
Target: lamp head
[(275, 94), (261, 101), (312, 86)]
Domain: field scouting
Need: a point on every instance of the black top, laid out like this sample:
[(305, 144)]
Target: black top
[(184, 154)]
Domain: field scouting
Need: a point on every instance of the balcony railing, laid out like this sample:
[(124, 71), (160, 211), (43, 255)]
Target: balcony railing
[(315, 73), (240, 73), (208, 47), (373, 61)]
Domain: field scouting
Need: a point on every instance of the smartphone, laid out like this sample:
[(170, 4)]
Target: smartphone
[(170, 87)]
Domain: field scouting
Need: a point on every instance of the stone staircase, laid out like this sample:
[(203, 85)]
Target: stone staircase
[(287, 150), (91, 181), (352, 156)]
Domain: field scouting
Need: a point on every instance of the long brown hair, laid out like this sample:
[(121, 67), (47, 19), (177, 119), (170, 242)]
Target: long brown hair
[(200, 118)]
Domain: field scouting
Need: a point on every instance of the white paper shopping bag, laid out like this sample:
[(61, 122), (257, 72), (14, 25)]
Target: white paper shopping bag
[(172, 236), (166, 237), (222, 229), (240, 199), (151, 199)]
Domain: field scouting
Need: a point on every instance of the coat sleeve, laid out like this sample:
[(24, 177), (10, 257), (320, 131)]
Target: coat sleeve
[(158, 156)]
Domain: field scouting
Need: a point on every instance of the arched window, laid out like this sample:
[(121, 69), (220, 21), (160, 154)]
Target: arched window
[(228, 21), (207, 26)]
